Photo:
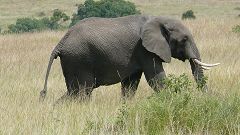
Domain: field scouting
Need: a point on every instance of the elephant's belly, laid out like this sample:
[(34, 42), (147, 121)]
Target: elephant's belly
[(108, 76), (107, 80)]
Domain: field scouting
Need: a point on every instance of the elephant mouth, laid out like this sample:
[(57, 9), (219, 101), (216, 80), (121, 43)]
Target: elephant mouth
[(203, 65)]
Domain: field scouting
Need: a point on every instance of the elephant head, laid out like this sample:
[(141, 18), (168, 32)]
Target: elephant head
[(170, 38)]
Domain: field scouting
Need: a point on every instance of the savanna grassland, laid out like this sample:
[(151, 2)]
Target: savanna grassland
[(24, 59)]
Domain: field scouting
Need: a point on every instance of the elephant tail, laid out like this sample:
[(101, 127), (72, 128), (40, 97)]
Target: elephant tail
[(54, 55)]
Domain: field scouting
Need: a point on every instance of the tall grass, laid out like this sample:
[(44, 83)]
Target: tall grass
[(23, 63), (187, 111), (11, 10)]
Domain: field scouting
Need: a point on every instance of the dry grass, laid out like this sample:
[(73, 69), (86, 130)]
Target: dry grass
[(24, 58), (10, 10)]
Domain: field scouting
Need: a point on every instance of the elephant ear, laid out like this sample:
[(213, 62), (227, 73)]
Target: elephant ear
[(154, 34)]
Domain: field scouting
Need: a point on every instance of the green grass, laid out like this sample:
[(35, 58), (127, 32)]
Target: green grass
[(188, 111)]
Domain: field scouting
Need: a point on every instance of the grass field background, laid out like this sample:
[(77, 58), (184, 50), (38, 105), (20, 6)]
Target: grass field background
[(24, 59), (10, 10)]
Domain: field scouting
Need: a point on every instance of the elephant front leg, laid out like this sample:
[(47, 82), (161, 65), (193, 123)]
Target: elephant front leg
[(155, 81), (155, 75), (130, 84)]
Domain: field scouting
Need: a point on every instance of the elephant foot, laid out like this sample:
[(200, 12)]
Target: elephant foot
[(79, 98), (62, 99)]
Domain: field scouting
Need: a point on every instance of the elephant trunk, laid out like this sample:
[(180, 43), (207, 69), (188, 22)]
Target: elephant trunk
[(197, 67), (197, 72)]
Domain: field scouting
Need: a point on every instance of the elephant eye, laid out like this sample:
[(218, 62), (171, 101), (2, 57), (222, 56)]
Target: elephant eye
[(185, 38)]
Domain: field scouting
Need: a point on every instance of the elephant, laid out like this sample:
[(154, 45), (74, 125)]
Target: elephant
[(105, 51)]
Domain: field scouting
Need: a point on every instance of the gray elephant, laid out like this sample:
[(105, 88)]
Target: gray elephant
[(105, 51)]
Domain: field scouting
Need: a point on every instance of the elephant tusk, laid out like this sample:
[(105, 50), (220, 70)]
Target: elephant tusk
[(205, 68), (204, 64)]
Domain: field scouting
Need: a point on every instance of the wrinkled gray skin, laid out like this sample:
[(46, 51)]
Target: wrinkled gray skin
[(105, 51)]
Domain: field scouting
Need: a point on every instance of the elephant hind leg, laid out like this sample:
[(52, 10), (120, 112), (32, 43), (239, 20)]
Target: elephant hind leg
[(130, 84), (83, 94), (79, 85), (72, 97)]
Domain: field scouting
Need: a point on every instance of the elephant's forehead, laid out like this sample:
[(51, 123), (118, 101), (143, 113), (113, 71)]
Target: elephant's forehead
[(180, 33), (179, 29)]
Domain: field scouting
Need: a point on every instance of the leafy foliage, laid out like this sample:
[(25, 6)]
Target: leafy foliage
[(121, 119), (188, 15), (32, 24), (236, 29), (41, 14), (237, 8), (57, 18), (179, 108), (26, 25), (177, 84), (202, 84), (104, 8)]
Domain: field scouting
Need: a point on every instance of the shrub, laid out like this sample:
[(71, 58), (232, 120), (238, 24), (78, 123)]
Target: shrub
[(180, 108), (41, 14), (104, 8), (236, 29), (26, 25), (237, 8), (121, 119), (55, 21), (188, 15), (32, 24)]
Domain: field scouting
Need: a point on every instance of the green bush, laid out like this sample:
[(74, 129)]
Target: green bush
[(32, 24), (236, 29), (188, 15), (57, 18), (104, 8), (180, 109), (237, 8), (26, 25), (55, 21), (41, 14)]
